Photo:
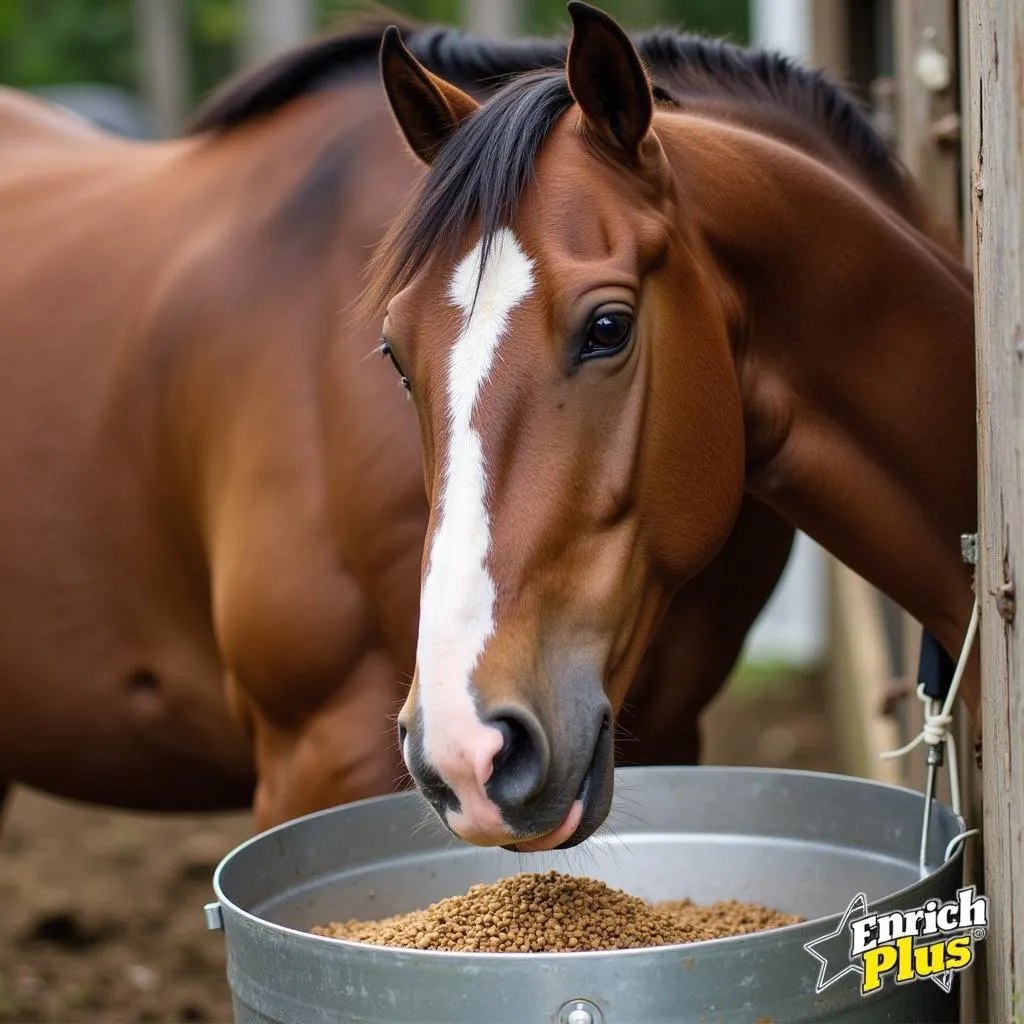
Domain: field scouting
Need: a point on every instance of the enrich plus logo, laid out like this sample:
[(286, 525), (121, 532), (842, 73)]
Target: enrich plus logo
[(934, 941)]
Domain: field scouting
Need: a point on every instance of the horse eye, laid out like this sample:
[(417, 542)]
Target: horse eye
[(386, 350), (607, 333)]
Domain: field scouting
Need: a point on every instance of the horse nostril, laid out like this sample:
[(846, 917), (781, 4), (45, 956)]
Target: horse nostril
[(516, 739), (520, 767)]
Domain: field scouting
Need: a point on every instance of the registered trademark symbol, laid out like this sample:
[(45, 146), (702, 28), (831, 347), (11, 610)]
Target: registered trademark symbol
[(977, 934)]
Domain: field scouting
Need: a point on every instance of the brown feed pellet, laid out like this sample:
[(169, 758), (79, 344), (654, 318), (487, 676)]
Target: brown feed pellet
[(555, 913)]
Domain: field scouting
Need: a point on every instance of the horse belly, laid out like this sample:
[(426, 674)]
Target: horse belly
[(95, 713)]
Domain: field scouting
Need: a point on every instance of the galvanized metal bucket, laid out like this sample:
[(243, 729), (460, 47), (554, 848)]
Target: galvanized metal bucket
[(801, 842)]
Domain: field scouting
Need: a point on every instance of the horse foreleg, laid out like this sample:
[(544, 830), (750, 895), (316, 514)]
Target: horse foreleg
[(345, 750), (699, 641)]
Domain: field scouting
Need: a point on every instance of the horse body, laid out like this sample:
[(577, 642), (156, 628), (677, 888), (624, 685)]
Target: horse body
[(687, 298), (84, 538), (166, 501), (213, 506), (27, 119)]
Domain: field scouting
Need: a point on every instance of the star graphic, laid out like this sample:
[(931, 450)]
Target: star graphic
[(839, 945)]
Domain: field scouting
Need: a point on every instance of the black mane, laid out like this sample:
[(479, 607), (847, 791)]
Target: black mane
[(475, 64), (690, 66), (483, 169), (681, 65)]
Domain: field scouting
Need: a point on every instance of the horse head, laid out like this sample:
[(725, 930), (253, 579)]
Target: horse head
[(568, 352)]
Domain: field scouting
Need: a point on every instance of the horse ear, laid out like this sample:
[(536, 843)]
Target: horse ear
[(607, 79), (427, 108)]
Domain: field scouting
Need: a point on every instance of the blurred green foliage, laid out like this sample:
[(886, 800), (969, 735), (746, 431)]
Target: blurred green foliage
[(729, 18), (50, 42), (45, 42)]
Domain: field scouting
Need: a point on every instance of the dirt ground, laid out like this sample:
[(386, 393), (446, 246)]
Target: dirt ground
[(101, 913)]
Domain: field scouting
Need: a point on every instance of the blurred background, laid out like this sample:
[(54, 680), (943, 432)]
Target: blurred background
[(147, 63), (101, 912)]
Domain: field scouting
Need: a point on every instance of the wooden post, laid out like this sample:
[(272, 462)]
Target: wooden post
[(785, 25), (927, 118), (995, 85), (162, 61), (928, 141), (497, 19), (274, 25), (830, 47), (857, 676)]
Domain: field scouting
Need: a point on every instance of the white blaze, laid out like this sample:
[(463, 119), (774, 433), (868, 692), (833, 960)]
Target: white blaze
[(457, 600)]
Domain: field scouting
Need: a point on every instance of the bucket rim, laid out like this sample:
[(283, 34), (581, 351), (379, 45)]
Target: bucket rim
[(812, 927)]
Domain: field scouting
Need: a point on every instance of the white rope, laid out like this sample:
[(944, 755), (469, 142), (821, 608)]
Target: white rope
[(938, 721), (961, 837), (935, 730)]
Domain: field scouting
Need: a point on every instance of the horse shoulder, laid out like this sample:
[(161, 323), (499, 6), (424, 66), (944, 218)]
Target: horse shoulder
[(312, 670)]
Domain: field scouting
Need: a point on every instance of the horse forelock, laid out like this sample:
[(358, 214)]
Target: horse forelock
[(477, 178)]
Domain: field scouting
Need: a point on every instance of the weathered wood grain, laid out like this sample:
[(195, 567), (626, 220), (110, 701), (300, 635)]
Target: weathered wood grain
[(996, 91)]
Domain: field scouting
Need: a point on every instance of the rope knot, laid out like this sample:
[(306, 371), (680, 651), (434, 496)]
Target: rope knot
[(936, 726)]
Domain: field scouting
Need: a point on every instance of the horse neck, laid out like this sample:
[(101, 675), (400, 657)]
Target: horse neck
[(855, 359)]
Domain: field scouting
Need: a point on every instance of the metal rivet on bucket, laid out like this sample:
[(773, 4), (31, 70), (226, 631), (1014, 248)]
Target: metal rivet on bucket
[(579, 1011)]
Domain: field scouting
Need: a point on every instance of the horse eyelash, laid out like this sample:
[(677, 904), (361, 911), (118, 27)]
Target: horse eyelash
[(385, 350)]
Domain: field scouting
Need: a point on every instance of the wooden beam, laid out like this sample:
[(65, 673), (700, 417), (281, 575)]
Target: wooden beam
[(995, 85), (928, 141), (271, 26), (915, 771), (830, 38), (496, 19), (927, 114), (783, 25), (858, 675), (965, 128), (162, 61)]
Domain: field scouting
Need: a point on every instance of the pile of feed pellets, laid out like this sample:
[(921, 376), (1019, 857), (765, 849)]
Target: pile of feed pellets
[(555, 913)]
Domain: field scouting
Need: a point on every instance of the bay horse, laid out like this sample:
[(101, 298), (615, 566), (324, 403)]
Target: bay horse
[(631, 294), (212, 502)]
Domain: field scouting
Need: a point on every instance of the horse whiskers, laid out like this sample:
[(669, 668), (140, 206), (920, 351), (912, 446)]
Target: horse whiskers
[(621, 730), (418, 829)]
